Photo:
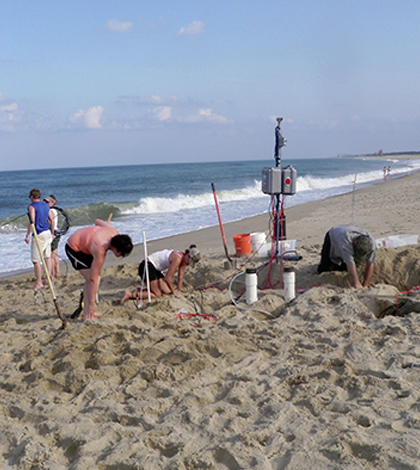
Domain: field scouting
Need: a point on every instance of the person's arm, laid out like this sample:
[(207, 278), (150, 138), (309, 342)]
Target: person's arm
[(175, 259), (31, 211), (51, 219), (181, 272), (368, 274), (352, 271)]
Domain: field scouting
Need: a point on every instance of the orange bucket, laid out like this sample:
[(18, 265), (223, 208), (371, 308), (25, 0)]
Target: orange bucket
[(242, 244)]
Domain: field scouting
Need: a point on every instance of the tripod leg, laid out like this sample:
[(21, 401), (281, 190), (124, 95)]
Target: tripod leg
[(79, 309)]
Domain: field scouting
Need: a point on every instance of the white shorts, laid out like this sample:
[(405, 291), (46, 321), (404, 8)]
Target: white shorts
[(45, 239)]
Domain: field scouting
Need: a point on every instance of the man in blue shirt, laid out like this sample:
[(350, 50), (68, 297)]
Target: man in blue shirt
[(43, 218)]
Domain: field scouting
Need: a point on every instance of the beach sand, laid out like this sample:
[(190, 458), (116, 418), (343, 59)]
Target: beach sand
[(320, 382)]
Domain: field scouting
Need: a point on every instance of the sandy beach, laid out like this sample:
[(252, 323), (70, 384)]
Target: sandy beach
[(196, 381)]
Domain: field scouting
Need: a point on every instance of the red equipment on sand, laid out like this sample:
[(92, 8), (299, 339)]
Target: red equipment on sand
[(220, 224)]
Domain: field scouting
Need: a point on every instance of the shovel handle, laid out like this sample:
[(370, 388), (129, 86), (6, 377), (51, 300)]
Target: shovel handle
[(60, 316)]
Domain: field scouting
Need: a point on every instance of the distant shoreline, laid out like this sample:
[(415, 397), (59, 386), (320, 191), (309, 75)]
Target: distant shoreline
[(387, 156)]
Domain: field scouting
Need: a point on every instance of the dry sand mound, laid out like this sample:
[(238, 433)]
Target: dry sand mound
[(325, 385)]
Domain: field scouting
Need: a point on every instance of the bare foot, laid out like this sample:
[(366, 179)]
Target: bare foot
[(38, 286), (127, 295), (92, 316)]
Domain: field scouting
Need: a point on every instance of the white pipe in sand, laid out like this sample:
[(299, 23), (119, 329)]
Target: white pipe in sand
[(146, 267)]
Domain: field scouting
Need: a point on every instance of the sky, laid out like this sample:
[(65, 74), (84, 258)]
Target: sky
[(107, 82)]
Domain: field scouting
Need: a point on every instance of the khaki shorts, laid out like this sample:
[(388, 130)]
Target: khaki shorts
[(45, 239)]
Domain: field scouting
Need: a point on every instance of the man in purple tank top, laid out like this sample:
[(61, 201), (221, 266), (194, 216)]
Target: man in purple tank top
[(43, 218)]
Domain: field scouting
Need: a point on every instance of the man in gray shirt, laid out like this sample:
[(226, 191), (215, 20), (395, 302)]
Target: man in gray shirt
[(345, 246)]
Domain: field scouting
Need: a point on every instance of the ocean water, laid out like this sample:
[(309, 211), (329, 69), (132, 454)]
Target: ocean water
[(164, 200)]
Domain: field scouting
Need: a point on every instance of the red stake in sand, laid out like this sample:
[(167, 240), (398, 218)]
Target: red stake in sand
[(220, 223)]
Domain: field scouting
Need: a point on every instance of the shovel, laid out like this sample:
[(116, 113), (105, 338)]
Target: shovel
[(54, 296)]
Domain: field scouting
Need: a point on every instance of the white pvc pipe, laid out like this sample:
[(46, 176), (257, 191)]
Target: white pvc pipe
[(251, 286), (146, 267), (289, 283)]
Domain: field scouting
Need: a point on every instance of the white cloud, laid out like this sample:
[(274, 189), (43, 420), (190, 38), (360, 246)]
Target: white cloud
[(157, 100), (10, 114), (196, 27), (119, 26), (162, 113), (11, 107), (206, 115), (89, 118)]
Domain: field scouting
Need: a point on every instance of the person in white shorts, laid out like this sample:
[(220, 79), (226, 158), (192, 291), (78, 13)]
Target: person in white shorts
[(51, 200), (170, 261), (43, 218)]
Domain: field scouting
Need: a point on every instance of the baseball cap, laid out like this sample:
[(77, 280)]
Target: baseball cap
[(51, 198)]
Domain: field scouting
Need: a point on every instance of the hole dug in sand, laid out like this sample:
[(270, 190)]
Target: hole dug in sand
[(393, 292)]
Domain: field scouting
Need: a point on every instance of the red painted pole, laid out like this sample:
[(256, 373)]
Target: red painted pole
[(220, 223)]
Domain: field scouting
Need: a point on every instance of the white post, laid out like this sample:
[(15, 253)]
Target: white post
[(251, 285), (289, 283), (146, 267), (354, 190)]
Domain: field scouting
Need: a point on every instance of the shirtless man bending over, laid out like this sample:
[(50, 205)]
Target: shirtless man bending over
[(86, 250)]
